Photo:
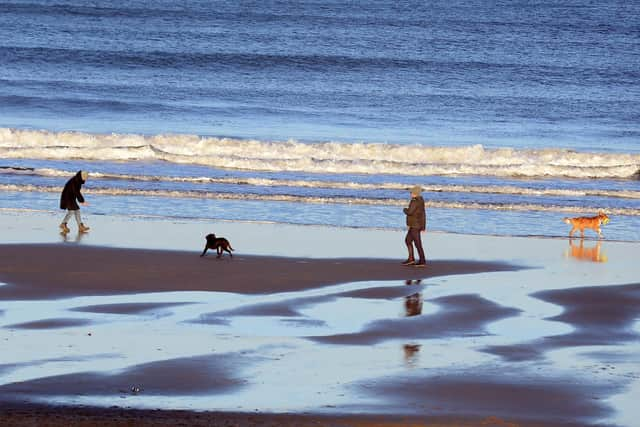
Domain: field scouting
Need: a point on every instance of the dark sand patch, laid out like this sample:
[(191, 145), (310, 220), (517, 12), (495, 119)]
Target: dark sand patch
[(383, 292), (29, 415), (460, 315), (509, 394), (128, 308), (51, 324), (210, 319), (87, 270), (276, 309), (209, 374), (304, 322), (6, 367), (282, 308), (600, 315)]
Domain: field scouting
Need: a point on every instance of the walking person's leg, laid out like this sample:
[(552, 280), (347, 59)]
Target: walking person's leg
[(408, 240), (81, 227), (418, 241), (63, 225), (76, 213)]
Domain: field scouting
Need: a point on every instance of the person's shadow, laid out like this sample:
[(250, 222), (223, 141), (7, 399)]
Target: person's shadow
[(586, 253)]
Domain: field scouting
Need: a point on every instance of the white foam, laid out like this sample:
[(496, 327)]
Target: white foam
[(328, 157), (344, 185), (321, 200)]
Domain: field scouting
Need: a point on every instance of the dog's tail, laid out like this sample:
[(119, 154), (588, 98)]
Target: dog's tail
[(567, 220), (231, 249)]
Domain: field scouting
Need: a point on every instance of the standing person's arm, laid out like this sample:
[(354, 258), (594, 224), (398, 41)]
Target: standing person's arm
[(413, 206)]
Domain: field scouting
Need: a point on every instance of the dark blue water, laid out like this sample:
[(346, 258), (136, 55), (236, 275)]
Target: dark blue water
[(538, 79), (535, 74)]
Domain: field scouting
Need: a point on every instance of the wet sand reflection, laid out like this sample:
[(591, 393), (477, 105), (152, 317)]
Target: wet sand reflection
[(588, 253), (412, 307)]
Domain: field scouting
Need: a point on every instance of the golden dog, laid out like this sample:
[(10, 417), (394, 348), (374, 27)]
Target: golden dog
[(592, 222)]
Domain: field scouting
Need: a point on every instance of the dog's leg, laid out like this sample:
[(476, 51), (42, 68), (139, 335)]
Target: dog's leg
[(219, 250), (230, 254), (205, 250), (573, 230), (599, 233)]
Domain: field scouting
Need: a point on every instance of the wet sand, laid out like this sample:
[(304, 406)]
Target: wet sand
[(55, 271), (48, 416), (600, 315), (494, 332)]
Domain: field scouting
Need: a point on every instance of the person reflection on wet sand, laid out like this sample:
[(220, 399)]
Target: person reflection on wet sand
[(413, 302), (65, 237), (411, 354), (592, 253), (412, 307)]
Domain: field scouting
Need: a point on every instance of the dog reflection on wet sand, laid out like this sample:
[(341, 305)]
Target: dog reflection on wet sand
[(589, 253)]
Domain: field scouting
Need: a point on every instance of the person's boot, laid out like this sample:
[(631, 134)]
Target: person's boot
[(64, 228), (83, 228), (421, 263), (409, 261)]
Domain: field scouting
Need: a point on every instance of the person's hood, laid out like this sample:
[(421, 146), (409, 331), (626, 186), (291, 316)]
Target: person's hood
[(78, 177)]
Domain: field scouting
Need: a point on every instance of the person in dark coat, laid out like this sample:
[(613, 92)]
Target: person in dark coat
[(69, 199), (417, 223)]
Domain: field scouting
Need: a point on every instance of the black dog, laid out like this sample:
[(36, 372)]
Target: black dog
[(220, 244)]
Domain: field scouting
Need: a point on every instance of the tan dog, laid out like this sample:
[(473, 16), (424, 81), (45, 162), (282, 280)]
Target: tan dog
[(583, 222)]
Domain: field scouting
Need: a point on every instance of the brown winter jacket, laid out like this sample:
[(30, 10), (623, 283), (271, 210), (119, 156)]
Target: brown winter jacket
[(416, 214)]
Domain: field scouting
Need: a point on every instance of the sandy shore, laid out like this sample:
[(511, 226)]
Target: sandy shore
[(494, 332), (47, 416), (54, 271)]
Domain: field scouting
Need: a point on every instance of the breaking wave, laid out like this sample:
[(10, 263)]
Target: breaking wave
[(314, 199), (326, 157)]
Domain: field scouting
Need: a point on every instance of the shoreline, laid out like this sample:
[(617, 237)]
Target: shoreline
[(162, 218)]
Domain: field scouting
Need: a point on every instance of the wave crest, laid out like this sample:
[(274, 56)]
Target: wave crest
[(326, 157)]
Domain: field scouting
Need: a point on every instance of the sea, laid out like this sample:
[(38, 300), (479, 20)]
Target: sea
[(511, 115)]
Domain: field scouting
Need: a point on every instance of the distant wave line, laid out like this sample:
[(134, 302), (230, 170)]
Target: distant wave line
[(301, 183), (323, 200)]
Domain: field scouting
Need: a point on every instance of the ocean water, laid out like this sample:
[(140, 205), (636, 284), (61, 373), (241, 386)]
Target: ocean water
[(511, 115)]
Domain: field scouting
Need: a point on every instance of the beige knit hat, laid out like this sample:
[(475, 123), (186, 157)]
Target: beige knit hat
[(416, 190)]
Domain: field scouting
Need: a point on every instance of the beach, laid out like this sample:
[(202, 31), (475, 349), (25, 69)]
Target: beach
[(495, 331), (305, 133)]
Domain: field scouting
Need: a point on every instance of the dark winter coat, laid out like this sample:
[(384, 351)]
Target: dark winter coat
[(71, 193), (416, 214)]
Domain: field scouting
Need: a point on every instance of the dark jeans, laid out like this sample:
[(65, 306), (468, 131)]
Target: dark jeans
[(413, 236)]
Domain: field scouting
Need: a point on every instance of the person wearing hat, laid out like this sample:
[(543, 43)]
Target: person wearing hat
[(69, 200), (417, 223)]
